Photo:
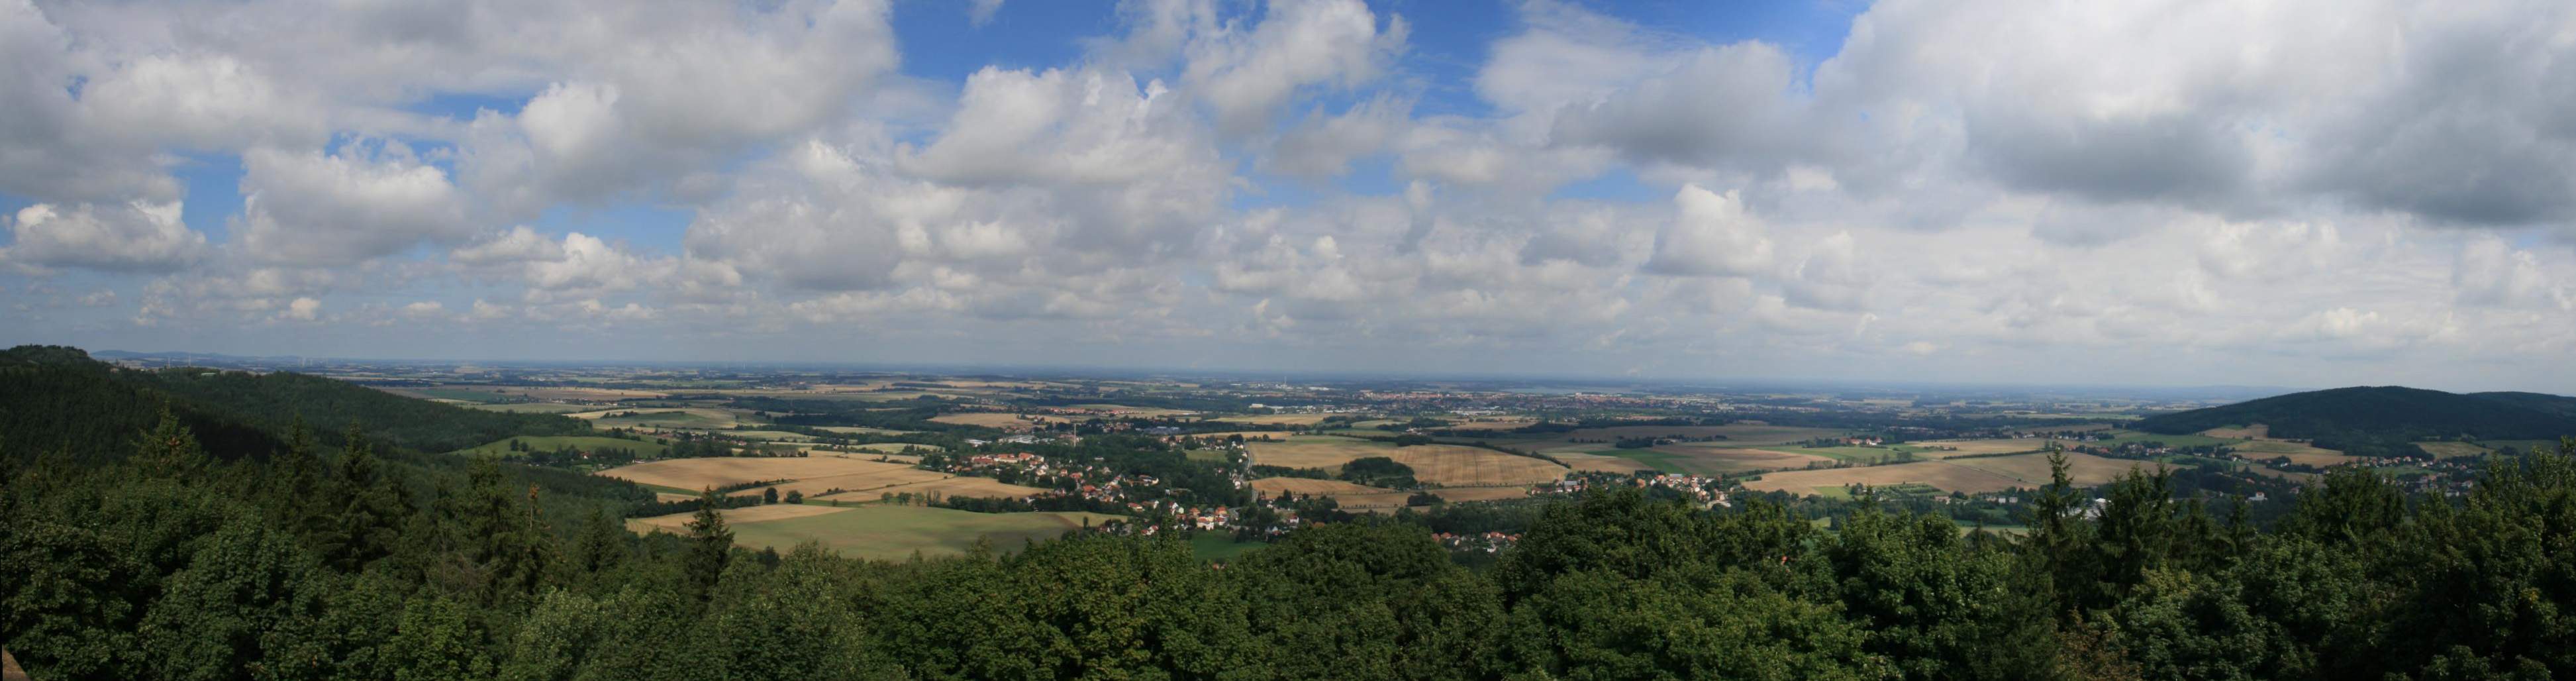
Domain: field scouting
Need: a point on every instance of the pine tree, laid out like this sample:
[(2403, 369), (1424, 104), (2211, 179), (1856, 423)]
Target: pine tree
[(169, 450), (710, 542)]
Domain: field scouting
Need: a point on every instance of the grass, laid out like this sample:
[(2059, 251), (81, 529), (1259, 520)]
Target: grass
[(533, 408), (457, 394), (1217, 547), (1858, 455), (881, 532), (581, 442)]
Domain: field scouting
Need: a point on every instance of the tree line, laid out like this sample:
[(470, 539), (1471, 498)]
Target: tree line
[(315, 562)]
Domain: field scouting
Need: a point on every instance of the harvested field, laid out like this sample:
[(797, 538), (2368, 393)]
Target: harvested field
[(1349, 496), (1943, 449), (1455, 466), (1941, 474), (1316, 451), (1305, 486), (2031, 470), (879, 532), (812, 474), (1704, 460), (2299, 452), (960, 486), (1599, 463)]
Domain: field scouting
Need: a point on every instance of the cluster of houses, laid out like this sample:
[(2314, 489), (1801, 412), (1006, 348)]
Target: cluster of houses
[(1154, 516), (1026, 440), (1490, 542)]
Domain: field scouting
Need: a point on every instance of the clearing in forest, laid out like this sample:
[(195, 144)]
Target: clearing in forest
[(880, 532)]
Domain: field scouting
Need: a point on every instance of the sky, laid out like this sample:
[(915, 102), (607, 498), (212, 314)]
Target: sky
[(2156, 192)]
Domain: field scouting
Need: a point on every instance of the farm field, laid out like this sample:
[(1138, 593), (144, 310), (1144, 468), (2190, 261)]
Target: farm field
[(1941, 474), (1702, 459), (958, 486), (887, 532), (1350, 496), (1316, 451), (2031, 470), (533, 407), (1488, 424), (765, 435), (582, 442), (1145, 412), (1278, 419), (1858, 455), (995, 420), (811, 475), (2299, 452), (542, 393), (2448, 450), (1305, 486), (1454, 466), (1943, 449), (896, 447), (655, 418), (860, 430), (1600, 463), (2253, 432), (2121, 437)]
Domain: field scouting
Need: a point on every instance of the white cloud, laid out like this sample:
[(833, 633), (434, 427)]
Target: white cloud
[(1711, 235), (346, 207), (135, 237), (301, 309)]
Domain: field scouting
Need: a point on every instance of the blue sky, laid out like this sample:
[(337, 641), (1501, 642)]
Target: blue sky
[(2152, 192)]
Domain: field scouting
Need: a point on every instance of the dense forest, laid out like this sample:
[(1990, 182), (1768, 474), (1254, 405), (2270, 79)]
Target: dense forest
[(157, 554), (2384, 420)]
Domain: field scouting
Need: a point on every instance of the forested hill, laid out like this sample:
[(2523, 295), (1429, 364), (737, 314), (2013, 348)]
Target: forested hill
[(55, 397), (2365, 417)]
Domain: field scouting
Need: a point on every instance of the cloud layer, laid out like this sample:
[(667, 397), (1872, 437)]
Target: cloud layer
[(2299, 193)]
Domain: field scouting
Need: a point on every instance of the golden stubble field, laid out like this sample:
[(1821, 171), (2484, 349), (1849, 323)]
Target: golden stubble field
[(1978, 475), (813, 476)]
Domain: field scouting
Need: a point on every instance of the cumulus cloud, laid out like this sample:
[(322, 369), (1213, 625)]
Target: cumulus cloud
[(134, 237), (2107, 188), (1711, 235), (345, 207)]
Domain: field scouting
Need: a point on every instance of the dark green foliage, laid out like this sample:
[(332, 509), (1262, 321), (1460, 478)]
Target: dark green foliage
[(2382, 421), (1378, 471), (180, 562)]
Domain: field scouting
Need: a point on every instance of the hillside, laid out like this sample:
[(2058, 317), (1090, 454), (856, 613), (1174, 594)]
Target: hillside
[(2378, 420), (59, 398)]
